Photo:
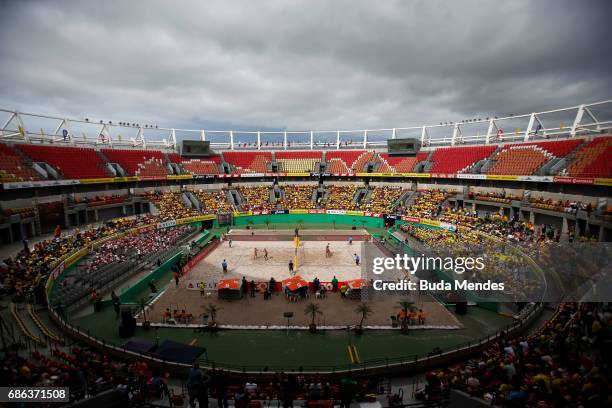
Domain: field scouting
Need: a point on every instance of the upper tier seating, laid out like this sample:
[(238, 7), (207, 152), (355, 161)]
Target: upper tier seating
[(13, 168), (249, 162), (421, 156), (305, 154), (70, 162), (297, 162), (348, 158), (400, 164), (519, 160), (130, 159), (151, 168), (197, 166), (372, 157), (297, 165), (458, 159), (337, 166), (175, 158), (593, 159), (558, 148)]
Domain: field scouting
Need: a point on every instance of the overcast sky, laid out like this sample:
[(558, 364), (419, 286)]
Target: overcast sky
[(302, 64)]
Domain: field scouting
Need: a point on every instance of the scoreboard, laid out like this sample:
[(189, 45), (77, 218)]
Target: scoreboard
[(195, 148), (405, 147)]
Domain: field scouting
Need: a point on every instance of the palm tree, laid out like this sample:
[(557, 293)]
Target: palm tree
[(406, 306), (364, 310), (212, 310), (313, 310)]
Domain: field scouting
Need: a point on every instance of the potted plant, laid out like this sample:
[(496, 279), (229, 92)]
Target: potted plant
[(313, 310), (212, 310), (406, 306), (142, 305), (364, 310)]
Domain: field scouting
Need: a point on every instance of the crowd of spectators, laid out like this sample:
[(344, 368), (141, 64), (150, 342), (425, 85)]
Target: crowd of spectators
[(170, 205), (136, 245), (256, 198), (340, 197), (23, 272), (382, 198), (297, 197), (567, 206), (495, 197), (85, 372), (565, 363), (427, 204), (213, 201), (24, 212)]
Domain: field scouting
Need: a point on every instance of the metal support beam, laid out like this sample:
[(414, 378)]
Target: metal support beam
[(490, 131), (577, 120), (529, 127)]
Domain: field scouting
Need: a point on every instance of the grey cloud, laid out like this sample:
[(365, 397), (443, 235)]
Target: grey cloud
[(302, 64)]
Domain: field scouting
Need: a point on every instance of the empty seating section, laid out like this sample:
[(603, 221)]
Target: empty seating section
[(13, 168), (213, 201), (151, 168), (337, 166), (519, 160), (70, 162), (297, 165), (306, 154), (249, 162), (130, 159), (400, 164), (421, 156), (458, 159), (593, 159), (298, 162), (298, 197), (383, 165), (363, 159), (348, 158), (197, 166), (174, 158), (559, 148)]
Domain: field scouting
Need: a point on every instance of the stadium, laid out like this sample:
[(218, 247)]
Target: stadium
[(463, 263)]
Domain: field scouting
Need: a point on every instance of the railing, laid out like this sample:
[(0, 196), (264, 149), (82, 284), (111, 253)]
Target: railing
[(576, 120)]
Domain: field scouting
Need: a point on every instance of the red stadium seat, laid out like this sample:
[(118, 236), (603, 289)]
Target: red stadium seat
[(70, 162)]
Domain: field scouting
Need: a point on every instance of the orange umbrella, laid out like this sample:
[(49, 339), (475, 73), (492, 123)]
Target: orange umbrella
[(229, 284), (285, 281), (357, 283), (295, 283)]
